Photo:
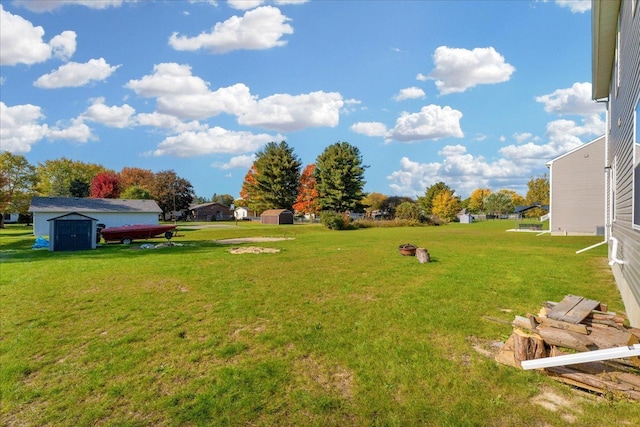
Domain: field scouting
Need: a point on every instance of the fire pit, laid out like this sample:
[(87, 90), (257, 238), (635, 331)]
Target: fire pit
[(407, 249)]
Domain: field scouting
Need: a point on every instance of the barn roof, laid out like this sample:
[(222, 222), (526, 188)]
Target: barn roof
[(85, 204)]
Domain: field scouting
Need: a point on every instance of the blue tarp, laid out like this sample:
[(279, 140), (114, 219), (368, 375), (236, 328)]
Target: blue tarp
[(41, 243)]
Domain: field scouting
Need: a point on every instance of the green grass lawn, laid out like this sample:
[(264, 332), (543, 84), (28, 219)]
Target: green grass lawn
[(337, 329)]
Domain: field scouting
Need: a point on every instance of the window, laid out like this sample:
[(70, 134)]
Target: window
[(636, 169)]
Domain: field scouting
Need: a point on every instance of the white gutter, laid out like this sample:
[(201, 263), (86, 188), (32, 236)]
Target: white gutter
[(584, 357), (614, 252)]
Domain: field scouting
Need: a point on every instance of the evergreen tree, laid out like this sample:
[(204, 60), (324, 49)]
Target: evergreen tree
[(277, 176), (340, 178)]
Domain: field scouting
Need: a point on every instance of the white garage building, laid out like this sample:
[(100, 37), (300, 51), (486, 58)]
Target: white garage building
[(110, 212)]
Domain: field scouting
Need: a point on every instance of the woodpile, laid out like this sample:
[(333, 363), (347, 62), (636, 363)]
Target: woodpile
[(577, 324)]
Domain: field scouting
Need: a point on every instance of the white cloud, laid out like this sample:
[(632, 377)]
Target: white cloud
[(257, 29), (457, 70), (563, 136), (236, 100), (77, 131), (114, 116), (237, 162), (573, 100), (460, 170), (49, 5), (182, 95), (369, 128), (250, 4), (410, 93), (432, 122), (283, 112), (158, 120), (74, 74), (20, 128), (63, 46), (245, 4), (22, 43), (168, 79), (522, 137), (213, 140), (421, 77), (576, 6), (465, 172)]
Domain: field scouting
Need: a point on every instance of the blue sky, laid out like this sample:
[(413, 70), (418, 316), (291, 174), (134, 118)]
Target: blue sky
[(478, 94)]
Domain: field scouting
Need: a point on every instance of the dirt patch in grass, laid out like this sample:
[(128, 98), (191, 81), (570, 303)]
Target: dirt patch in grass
[(251, 240), (486, 348), (334, 379), (567, 406), (253, 250)]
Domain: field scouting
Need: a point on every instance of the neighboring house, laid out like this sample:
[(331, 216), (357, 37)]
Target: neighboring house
[(210, 212), (616, 80), (241, 213), (576, 181), (465, 217), (276, 216), (110, 212), (11, 218)]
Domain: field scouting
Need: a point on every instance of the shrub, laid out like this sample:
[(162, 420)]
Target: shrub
[(409, 211), (335, 221)]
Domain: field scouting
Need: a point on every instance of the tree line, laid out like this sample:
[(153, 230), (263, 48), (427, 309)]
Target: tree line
[(276, 179), (20, 181)]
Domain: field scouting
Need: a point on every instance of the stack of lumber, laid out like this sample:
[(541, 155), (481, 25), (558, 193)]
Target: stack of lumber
[(577, 324)]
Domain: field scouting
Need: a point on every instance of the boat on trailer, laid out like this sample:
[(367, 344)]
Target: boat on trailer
[(128, 233)]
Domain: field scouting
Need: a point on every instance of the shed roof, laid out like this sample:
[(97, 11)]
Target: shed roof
[(275, 212), (72, 214), (85, 204)]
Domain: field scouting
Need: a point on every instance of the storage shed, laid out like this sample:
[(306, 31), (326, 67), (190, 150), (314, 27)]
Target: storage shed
[(465, 217), (276, 216), (72, 232)]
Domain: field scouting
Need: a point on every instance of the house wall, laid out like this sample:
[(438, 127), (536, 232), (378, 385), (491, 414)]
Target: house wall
[(624, 93), (110, 219), (577, 190)]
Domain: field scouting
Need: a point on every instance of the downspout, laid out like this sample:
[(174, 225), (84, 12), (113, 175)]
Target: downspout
[(614, 253)]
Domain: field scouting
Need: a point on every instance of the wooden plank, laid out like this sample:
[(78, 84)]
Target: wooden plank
[(573, 309), (593, 382), (566, 339), (609, 337), (559, 324)]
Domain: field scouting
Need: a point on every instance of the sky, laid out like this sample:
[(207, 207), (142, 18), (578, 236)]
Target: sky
[(476, 94)]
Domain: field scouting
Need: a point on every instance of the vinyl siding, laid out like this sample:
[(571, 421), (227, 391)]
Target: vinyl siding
[(622, 103), (578, 190)]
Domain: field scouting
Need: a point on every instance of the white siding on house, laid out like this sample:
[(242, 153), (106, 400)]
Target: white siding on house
[(109, 219), (577, 181), (111, 212), (623, 94)]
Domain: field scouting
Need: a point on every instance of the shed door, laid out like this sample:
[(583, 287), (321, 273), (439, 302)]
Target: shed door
[(72, 235)]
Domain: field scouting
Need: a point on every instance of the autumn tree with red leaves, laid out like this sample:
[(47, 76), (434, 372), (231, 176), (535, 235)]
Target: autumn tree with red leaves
[(106, 185), (307, 200)]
